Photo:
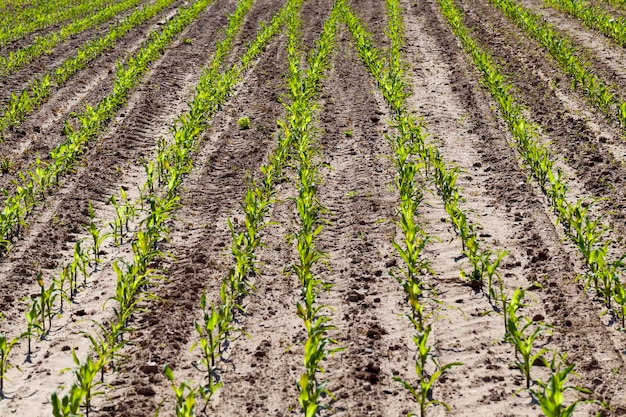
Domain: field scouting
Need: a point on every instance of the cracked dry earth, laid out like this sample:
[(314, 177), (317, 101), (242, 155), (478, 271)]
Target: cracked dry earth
[(260, 366)]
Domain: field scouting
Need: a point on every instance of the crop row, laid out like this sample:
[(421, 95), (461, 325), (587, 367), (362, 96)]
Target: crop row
[(409, 146), (160, 193), (17, 25), (22, 103), (217, 320), (595, 17), (302, 86), (32, 10), (23, 56)]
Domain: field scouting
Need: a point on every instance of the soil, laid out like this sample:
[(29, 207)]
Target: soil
[(367, 305)]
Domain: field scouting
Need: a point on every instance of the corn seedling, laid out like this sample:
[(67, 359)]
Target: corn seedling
[(80, 261), (550, 395), (105, 346), (409, 144), (85, 380), (185, 395), (522, 333), (211, 337), (97, 237), (422, 389), (69, 404), (46, 302), (5, 350), (33, 325)]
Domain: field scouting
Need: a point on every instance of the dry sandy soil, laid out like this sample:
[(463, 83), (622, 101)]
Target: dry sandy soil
[(259, 371)]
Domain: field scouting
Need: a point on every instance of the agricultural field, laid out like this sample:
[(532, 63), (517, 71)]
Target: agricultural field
[(312, 207)]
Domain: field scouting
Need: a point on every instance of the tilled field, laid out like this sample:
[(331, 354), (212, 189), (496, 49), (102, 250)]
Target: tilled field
[(318, 207)]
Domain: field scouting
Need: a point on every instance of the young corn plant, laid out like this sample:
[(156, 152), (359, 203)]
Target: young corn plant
[(246, 238), (46, 303), (550, 395), (105, 346), (212, 335), (522, 333), (80, 261), (69, 404), (421, 390), (97, 237), (6, 346), (185, 395), (619, 295), (86, 382), (33, 325)]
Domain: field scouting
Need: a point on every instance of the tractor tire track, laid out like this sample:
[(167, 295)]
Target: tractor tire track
[(358, 190)]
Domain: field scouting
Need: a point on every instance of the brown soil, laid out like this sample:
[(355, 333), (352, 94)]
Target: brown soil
[(366, 304)]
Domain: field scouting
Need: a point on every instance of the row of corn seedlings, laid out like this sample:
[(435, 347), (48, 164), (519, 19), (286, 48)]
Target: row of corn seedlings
[(594, 17), (408, 146), (9, 7), (35, 184), (600, 92), (22, 103), (521, 331), (412, 139), (49, 13), (84, 261), (302, 85), (36, 11), (586, 233), (212, 91), (15, 60)]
